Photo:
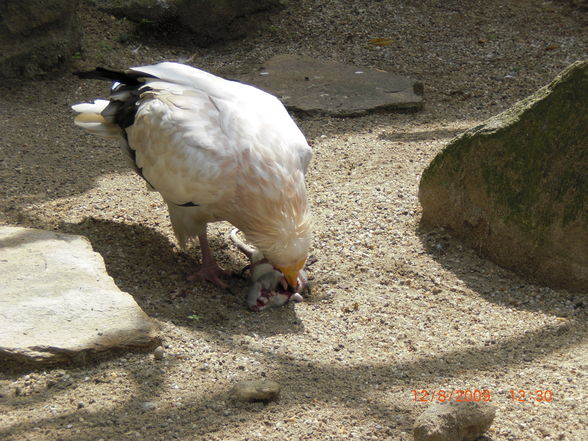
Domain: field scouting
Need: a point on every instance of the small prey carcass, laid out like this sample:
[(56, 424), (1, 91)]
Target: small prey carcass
[(269, 288)]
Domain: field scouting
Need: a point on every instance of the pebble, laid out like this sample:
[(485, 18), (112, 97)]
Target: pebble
[(159, 353), (148, 405), (454, 421), (256, 390)]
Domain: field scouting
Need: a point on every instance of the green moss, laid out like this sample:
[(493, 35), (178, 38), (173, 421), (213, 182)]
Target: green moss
[(534, 170)]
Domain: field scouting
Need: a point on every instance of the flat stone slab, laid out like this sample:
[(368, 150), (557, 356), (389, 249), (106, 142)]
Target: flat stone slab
[(310, 86), (58, 304)]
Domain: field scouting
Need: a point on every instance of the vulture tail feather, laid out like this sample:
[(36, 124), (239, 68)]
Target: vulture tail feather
[(91, 118), (109, 118)]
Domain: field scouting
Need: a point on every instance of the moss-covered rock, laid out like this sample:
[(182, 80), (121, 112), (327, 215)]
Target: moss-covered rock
[(516, 187), (37, 36)]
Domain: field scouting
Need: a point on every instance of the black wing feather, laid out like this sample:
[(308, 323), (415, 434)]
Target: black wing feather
[(129, 78)]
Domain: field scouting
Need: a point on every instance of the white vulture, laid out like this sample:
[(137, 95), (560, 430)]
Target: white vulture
[(215, 150)]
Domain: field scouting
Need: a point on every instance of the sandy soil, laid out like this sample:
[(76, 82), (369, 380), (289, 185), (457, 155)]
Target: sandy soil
[(395, 309)]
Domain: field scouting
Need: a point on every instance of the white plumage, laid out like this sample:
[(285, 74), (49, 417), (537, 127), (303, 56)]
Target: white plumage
[(215, 150)]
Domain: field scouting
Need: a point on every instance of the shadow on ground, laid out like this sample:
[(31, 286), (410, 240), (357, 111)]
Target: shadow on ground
[(203, 417), (145, 264), (497, 284)]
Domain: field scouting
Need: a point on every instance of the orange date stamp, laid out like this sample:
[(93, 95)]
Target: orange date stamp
[(531, 395), (457, 395), (478, 395)]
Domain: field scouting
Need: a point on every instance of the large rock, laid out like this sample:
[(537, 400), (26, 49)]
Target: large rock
[(57, 303), (311, 86), (37, 36), (516, 187)]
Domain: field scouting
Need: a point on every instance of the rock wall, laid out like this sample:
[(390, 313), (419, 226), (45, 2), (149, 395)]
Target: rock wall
[(221, 19), (208, 21)]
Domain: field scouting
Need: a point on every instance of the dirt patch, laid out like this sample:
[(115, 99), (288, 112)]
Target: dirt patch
[(395, 310)]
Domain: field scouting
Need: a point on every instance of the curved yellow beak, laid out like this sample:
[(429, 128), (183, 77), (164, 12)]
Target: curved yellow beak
[(291, 272)]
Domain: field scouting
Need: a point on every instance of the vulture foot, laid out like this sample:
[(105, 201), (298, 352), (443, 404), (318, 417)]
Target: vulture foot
[(211, 273)]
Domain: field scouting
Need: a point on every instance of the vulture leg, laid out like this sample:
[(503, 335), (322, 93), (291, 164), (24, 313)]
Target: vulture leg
[(209, 270)]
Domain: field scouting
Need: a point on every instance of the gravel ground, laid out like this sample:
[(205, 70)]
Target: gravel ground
[(394, 309)]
